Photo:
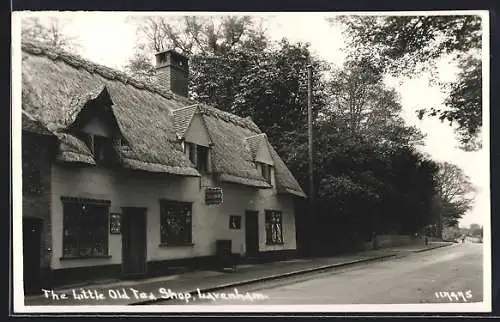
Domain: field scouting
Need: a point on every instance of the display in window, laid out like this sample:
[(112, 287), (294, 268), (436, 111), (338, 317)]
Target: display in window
[(115, 223), (234, 222), (85, 230), (274, 227)]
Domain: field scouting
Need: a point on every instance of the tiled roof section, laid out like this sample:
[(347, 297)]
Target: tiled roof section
[(255, 142), (29, 124), (228, 117), (182, 118)]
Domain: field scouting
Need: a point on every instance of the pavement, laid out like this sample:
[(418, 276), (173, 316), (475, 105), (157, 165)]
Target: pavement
[(182, 286), (448, 275)]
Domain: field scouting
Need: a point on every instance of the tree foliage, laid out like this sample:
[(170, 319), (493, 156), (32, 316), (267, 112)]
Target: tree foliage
[(269, 86), (464, 104), (475, 230), (455, 191), (196, 36), (407, 45), (49, 31), (363, 105), (369, 178), (452, 233), (364, 188), (205, 35)]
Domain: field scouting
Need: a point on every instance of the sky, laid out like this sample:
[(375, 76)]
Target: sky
[(109, 38)]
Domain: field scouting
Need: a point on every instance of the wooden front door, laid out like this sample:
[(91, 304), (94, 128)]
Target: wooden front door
[(252, 232), (32, 238), (134, 242)]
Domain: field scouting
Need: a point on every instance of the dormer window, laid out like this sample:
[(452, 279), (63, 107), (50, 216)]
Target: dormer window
[(102, 148), (202, 158), (266, 172), (198, 155)]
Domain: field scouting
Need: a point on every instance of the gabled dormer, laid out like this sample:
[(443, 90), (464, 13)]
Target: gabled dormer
[(96, 125), (194, 136), (261, 155)]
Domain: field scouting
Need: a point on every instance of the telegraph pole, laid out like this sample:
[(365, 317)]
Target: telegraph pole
[(310, 133), (310, 145)]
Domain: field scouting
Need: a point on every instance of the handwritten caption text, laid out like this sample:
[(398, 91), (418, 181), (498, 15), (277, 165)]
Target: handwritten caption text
[(160, 294)]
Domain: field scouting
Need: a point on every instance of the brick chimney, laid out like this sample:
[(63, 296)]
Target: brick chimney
[(172, 71)]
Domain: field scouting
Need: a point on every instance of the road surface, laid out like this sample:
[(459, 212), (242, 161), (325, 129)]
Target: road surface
[(443, 275)]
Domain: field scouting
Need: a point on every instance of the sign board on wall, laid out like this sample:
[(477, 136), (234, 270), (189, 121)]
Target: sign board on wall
[(213, 196)]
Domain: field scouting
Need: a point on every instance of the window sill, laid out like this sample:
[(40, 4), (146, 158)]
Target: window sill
[(175, 245), (84, 257)]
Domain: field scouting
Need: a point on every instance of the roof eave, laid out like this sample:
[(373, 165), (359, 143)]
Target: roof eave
[(41, 132), (74, 157), (244, 181), (290, 191), (35, 127), (159, 168)]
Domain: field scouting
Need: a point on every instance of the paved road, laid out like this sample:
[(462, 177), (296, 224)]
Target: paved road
[(414, 278)]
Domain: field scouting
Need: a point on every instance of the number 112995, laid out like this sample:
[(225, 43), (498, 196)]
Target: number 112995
[(458, 296)]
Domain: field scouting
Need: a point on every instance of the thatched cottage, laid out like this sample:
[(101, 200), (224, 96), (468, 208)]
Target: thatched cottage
[(140, 177)]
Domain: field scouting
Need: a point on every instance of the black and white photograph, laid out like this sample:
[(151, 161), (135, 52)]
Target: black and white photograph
[(251, 162)]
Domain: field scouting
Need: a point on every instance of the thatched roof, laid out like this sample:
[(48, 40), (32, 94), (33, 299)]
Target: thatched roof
[(286, 182), (72, 149), (30, 124), (56, 87)]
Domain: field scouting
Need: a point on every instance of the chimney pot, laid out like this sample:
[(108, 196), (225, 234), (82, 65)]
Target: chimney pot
[(173, 71)]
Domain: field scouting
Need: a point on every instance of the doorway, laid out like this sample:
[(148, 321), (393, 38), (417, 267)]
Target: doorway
[(134, 242), (32, 246), (252, 233)]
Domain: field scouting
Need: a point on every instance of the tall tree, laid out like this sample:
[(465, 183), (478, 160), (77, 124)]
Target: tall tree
[(206, 35), (272, 90), (368, 177), (406, 45), (455, 191), (365, 188), (49, 31), (364, 105), (475, 230)]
